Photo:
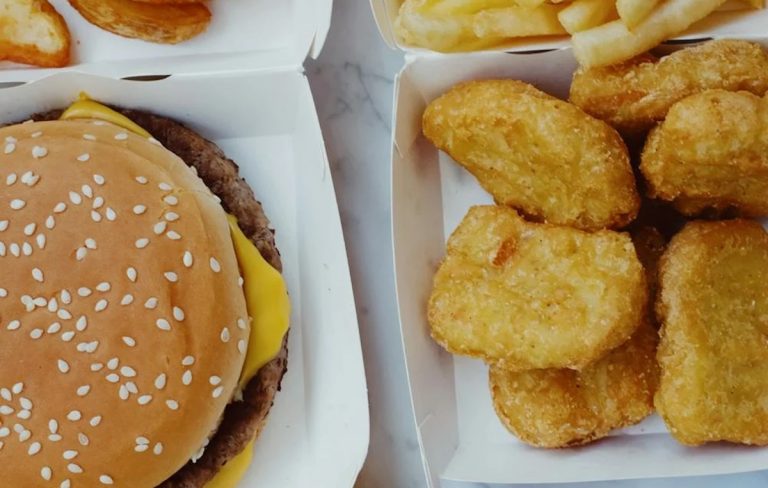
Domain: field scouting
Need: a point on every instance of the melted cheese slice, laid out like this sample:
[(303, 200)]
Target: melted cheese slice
[(266, 296)]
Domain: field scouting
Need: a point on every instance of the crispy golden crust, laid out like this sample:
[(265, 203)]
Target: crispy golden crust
[(713, 351), (536, 153), (535, 295), (161, 23), (635, 95), (562, 407), (649, 246), (711, 152), (33, 32)]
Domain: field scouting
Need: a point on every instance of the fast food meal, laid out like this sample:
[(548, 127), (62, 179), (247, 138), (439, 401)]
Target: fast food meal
[(562, 407), (536, 153), (604, 31), (33, 32), (525, 295), (713, 355), (144, 316), (166, 23), (711, 152), (636, 95)]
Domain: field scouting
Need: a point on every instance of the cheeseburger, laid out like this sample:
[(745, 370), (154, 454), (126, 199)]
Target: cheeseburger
[(143, 316)]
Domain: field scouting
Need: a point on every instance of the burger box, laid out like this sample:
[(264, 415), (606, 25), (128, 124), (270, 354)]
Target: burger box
[(459, 434), (242, 85)]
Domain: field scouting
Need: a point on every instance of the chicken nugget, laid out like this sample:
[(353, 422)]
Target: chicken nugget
[(649, 246), (713, 351), (711, 152), (535, 295), (563, 407), (635, 95), (538, 154)]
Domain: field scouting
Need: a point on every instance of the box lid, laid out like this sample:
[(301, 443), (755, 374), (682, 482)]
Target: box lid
[(730, 20), (243, 35)]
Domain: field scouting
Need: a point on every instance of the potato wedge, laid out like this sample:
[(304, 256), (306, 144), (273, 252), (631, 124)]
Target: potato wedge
[(33, 32), (165, 24)]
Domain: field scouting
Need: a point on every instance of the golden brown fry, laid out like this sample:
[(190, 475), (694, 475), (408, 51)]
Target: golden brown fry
[(33, 32), (535, 295), (614, 43), (563, 407), (585, 14), (635, 95), (711, 152), (511, 22), (713, 353), (167, 24), (632, 12), (536, 153)]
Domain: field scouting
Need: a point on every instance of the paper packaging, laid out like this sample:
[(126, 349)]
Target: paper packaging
[(726, 22), (459, 434), (246, 92)]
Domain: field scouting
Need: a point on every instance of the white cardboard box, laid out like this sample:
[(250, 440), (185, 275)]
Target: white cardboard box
[(458, 432), (242, 85)]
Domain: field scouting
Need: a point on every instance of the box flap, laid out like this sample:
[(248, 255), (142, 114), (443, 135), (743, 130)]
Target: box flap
[(730, 20), (243, 35)]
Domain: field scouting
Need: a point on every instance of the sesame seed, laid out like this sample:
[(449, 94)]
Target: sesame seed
[(17, 204), (186, 378), (103, 286), (141, 440), (50, 222), (64, 314), (10, 179), (10, 139), (67, 336), (121, 136), (187, 259), (9, 148), (171, 216), (171, 276), (151, 303), (63, 366), (80, 253), (39, 152), (37, 275), (98, 202), (163, 324), (3, 293), (165, 186), (53, 305), (84, 157), (131, 386), (98, 367), (24, 414), (87, 190), (15, 249), (36, 333), (29, 229), (214, 380), (128, 371), (158, 449), (89, 137), (69, 454), (17, 388), (142, 243), (3, 225), (215, 266), (160, 381), (113, 378), (24, 435), (13, 325), (95, 421), (83, 439), (75, 198), (123, 393), (188, 361), (131, 272), (40, 239), (34, 448), (5, 432), (241, 324), (129, 341), (113, 363), (141, 447), (127, 299), (139, 209), (171, 200), (98, 179), (144, 399), (241, 346), (53, 426), (159, 227), (225, 335), (105, 479), (36, 134), (74, 468), (82, 323), (141, 180), (6, 410), (95, 216), (217, 391), (101, 305), (54, 328), (111, 215), (172, 404), (83, 390), (30, 179), (90, 243), (173, 235), (26, 249), (74, 415), (2, 248), (40, 301)]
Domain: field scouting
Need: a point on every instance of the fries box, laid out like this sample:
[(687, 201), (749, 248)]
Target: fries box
[(242, 85), (459, 434)]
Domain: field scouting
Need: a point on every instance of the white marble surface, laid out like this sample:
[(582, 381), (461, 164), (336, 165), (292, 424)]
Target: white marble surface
[(352, 83)]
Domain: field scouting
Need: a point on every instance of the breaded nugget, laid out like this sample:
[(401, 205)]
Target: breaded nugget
[(536, 153), (649, 246), (711, 152), (635, 95), (562, 407), (535, 295), (713, 351)]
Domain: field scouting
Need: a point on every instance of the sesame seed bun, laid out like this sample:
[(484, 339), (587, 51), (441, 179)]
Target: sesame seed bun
[(142, 381)]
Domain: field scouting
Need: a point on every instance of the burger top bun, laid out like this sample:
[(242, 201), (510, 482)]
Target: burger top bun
[(123, 327)]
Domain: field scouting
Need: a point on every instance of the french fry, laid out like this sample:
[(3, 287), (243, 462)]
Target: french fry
[(529, 3), (585, 14), (518, 22), (612, 42), (459, 7), (632, 12)]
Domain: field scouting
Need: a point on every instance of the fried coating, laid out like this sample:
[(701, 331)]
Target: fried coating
[(538, 154), (649, 246), (33, 32), (635, 95), (562, 407), (713, 350), (528, 295), (711, 152)]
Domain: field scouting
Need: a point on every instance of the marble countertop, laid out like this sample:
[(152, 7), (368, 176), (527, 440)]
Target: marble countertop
[(352, 83)]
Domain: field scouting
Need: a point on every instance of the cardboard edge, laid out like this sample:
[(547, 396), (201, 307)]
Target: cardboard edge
[(384, 23), (324, 16)]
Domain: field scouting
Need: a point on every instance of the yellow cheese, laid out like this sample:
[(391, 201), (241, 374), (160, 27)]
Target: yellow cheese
[(86, 108), (232, 472)]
